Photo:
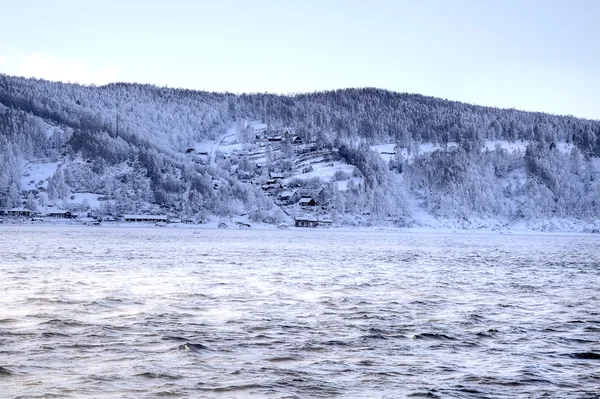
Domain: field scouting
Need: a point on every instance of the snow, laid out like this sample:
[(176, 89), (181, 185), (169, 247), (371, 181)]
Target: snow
[(326, 170), (565, 147), (205, 146), (387, 151), (91, 198), (228, 148), (50, 129), (34, 173), (490, 145), (505, 145), (225, 144), (342, 185), (428, 225), (424, 148), (257, 125)]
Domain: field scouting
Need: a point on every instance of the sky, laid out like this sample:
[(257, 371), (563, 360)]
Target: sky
[(535, 55)]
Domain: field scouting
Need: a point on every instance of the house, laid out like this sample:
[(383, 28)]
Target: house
[(189, 150), (275, 138), (146, 218), (286, 195), (296, 140), (61, 214), (276, 175), (325, 222), (20, 212), (307, 201), (244, 175), (306, 222), (271, 184), (270, 187)]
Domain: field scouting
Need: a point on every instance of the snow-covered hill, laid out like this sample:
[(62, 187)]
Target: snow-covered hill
[(352, 157)]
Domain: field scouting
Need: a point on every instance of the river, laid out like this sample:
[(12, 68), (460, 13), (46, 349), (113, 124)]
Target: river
[(165, 312)]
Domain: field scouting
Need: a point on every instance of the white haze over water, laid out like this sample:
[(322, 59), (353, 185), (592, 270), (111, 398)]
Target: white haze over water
[(143, 313)]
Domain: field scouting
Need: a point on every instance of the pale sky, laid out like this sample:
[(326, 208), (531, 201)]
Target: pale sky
[(538, 55)]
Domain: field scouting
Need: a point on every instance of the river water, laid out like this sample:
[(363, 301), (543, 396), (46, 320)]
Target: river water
[(150, 312)]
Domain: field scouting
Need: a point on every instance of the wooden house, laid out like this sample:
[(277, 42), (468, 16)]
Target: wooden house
[(286, 195), (307, 222), (20, 212), (61, 214), (307, 201)]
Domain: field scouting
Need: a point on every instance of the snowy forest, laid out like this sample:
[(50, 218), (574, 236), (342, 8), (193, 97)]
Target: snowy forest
[(366, 157)]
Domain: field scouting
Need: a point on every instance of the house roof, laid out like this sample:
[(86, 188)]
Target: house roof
[(305, 200), (146, 217)]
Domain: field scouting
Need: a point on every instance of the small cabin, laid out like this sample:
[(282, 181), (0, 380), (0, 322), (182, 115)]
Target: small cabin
[(296, 140), (306, 222), (325, 223), (270, 187), (61, 214), (307, 201), (286, 195)]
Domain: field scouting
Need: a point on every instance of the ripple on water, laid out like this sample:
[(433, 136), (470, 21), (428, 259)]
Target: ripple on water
[(166, 312)]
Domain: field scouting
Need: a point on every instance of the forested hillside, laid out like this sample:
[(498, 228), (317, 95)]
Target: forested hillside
[(365, 157)]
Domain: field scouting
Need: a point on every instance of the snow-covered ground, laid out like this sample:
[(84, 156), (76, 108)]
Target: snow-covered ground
[(90, 199), (387, 151), (37, 174), (424, 224), (326, 170)]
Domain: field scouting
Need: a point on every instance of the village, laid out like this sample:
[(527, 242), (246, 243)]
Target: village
[(276, 160), (279, 162), (27, 216)]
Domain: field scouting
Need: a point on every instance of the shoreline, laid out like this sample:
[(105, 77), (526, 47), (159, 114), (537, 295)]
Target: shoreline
[(417, 230)]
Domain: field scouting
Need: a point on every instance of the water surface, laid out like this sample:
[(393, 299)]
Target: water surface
[(149, 312)]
